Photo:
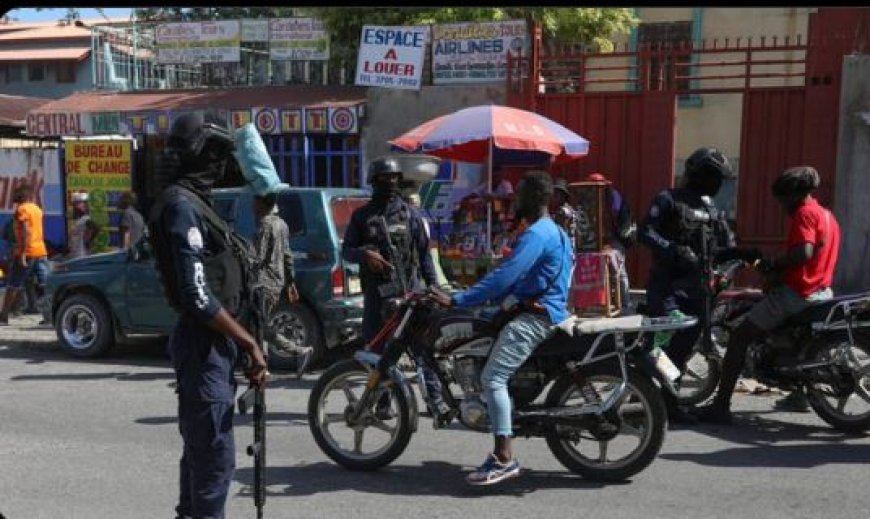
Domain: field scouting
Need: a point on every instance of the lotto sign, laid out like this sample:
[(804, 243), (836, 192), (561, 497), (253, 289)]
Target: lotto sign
[(291, 121), (315, 120), (266, 121), (240, 118), (342, 120), (391, 56)]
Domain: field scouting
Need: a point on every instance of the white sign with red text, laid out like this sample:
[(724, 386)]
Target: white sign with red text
[(199, 42), (38, 167), (391, 56)]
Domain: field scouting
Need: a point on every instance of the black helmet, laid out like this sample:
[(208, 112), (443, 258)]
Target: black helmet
[(708, 161), (191, 132), (799, 180), (383, 166)]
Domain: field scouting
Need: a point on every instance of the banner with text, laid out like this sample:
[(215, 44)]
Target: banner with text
[(475, 52), (298, 39), (199, 42), (391, 56), (101, 168)]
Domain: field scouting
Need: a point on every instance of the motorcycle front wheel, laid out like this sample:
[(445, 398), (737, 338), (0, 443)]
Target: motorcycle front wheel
[(364, 443), (846, 404), (642, 421)]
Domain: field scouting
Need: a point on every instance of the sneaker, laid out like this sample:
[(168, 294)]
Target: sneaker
[(715, 414), (303, 358), (493, 471), (443, 414), (794, 402)]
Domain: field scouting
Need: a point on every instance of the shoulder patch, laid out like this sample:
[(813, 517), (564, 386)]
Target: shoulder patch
[(654, 211), (194, 238)]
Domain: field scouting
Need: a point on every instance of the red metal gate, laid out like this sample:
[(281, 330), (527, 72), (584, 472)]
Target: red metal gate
[(790, 110)]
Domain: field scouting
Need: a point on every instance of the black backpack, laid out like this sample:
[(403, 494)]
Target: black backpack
[(230, 272)]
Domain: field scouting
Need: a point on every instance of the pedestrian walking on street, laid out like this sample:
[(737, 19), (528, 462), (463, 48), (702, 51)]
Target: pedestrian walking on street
[(30, 255), (275, 275), (85, 229), (203, 347)]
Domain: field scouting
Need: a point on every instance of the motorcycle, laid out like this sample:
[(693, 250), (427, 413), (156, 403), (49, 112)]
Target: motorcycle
[(824, 349), (602, 415)]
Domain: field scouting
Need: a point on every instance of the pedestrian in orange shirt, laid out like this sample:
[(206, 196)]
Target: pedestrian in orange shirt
[(30, 257)]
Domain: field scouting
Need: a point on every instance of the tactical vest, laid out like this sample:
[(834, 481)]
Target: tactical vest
[(228, 259), (398, 217)]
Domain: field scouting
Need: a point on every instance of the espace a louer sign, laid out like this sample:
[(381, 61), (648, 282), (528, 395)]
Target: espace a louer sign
[(391, 56)]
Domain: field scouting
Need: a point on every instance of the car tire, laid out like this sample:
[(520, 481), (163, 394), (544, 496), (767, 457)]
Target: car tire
[(297, 323), (84, 326)]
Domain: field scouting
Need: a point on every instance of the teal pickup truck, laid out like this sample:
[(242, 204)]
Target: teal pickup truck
[(97, 300)]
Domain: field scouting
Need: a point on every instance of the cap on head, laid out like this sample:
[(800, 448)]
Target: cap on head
[(78, 197)]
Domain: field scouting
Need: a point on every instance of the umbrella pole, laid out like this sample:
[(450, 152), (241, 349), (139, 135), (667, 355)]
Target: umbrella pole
[(489, 204)]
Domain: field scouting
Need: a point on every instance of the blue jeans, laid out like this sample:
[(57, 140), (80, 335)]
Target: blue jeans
[(37, 267), (515, 343)]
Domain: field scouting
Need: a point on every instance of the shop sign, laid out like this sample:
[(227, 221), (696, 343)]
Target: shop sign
[(40, 168), (199, 42), (163, 123), (291, 120), (266, 121), (103, 169), (316, 120), (57, 124), (135, 124), (105, 123), (255, 30), (343, 120), (298, 39), (391, 56), (240, 118), (475, 52)]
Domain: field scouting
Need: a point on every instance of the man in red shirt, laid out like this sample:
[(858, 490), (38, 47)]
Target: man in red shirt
[(807, 272)]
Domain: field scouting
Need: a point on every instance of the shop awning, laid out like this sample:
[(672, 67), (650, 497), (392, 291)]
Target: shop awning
[(60, 53), (296, 96), (13, 109)]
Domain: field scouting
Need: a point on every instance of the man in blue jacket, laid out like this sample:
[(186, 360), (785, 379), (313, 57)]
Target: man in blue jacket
[(537, 274)]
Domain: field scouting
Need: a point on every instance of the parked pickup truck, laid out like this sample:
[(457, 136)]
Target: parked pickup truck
[(97, 300)]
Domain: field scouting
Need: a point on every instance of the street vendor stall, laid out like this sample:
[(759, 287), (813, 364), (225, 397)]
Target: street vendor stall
[(494, 136)]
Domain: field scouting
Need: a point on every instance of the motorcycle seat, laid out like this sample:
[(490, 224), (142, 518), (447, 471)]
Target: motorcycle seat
[(577, 326), (819, 310)]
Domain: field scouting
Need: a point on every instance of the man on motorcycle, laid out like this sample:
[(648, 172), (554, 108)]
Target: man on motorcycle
[(806, 269), (537, 274), (676, 230)]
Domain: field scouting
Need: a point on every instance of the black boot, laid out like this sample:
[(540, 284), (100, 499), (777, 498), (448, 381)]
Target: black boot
[(717, 412)]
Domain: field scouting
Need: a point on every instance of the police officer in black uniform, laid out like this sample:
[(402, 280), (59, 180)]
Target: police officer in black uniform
[(674, 229), (365, 243), (204, 344)]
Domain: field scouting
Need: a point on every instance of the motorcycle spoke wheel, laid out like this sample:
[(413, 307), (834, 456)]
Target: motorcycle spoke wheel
[(829, 401), (631, 439), (363, 438)]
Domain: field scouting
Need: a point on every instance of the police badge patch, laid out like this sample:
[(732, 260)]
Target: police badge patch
[(654, 211), (194, 238)]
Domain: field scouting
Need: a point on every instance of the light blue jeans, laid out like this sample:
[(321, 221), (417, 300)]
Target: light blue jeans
[(516, 341)]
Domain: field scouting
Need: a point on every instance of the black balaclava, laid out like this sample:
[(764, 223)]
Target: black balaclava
[(385, 187)]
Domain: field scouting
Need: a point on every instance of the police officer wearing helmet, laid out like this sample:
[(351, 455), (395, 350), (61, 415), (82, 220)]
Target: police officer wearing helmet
[(365, 243), (204, 345), (674, 229)]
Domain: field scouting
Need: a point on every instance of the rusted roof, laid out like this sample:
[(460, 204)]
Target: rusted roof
[(238, 98), (59, 53), (50, 30), (13, 109)]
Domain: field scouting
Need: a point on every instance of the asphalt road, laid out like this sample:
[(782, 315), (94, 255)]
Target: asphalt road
[(98, 439)]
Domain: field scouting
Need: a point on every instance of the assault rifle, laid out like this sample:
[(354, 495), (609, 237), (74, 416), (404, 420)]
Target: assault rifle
[(256, 399)]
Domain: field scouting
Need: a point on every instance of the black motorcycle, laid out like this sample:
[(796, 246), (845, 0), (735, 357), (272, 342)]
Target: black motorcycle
[(824, 349), (602, 417)]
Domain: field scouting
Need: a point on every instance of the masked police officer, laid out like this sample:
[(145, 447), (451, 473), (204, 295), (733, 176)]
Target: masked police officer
[(204, 345), (675, 229), (365, 243)]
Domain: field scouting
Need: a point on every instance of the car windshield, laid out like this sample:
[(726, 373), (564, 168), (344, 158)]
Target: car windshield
[(342, 209)]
